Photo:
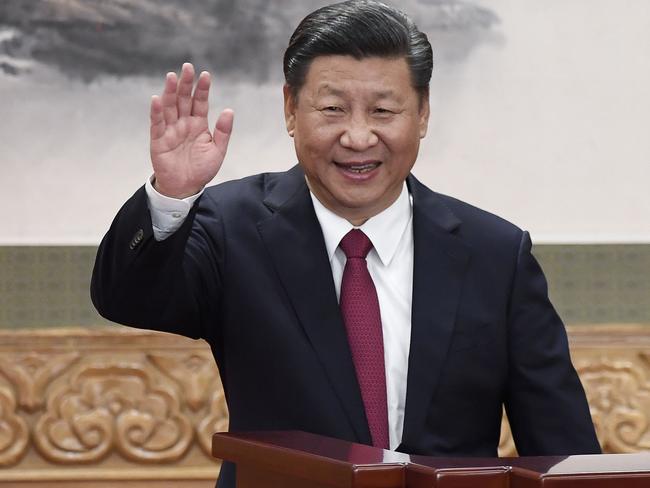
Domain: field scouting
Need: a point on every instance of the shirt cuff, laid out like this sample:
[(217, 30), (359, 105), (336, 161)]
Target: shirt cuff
[(167, 214)]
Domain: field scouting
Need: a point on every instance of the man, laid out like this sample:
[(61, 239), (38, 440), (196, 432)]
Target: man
[(343, 297)]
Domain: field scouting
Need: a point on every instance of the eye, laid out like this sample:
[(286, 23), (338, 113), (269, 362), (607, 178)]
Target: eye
[(332, 109), (382, 111)]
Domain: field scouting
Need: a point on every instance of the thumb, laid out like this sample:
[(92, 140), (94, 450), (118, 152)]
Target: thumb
[(223, 129)]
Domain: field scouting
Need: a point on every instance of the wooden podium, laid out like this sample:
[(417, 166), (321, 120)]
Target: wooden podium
[(301, 460)]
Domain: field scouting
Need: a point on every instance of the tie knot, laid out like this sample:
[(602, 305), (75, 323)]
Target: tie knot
[(355, 244)]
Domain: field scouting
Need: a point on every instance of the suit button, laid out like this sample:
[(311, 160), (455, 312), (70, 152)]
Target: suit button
[(137, 239)]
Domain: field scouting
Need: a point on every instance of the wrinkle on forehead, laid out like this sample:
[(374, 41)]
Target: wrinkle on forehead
[(374, 79)]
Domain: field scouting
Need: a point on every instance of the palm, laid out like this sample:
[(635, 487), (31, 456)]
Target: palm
[(186, 151), (184, 154)]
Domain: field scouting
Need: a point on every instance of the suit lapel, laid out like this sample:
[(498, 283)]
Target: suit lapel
[(294, 240), (440, 261)]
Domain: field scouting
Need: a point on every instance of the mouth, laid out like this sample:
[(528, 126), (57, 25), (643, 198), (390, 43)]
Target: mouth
[(358, 167)]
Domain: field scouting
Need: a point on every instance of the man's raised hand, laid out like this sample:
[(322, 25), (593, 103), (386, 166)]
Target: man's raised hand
[(184, 154)]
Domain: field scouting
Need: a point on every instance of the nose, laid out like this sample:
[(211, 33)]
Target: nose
[(358, 135)]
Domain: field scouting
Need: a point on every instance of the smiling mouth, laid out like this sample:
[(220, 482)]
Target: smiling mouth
[(359, 168)]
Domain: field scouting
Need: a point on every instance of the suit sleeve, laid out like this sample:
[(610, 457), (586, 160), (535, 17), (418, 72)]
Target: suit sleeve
[(171, 285), (545, 401)]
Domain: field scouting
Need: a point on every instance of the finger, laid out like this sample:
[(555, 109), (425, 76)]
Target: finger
[(184, 92), (222, 131), (157, 118), (201, 94), (170, 112)]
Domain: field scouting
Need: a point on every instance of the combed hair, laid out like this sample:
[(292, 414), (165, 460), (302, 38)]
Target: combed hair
[(362, 29)]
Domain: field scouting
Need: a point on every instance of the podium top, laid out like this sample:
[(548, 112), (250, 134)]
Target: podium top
[(325, 461)]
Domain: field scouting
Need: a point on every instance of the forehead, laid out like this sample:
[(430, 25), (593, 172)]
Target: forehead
[(341, 75)]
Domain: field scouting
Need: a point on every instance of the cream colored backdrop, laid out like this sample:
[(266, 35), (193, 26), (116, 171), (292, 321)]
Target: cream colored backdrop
[(542, 117)]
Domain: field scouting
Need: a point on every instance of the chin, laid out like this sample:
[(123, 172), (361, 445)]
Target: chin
[(358, 209)]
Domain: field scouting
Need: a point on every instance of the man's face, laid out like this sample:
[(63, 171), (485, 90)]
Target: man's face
[(357, 126)]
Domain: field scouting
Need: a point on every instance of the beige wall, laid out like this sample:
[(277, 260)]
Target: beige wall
[(545, 124), (549, 127)]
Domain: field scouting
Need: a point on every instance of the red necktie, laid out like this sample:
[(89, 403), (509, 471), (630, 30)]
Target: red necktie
[(360, 311)]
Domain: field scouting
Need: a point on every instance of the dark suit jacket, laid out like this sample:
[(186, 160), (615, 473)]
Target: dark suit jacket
[(248, 272)]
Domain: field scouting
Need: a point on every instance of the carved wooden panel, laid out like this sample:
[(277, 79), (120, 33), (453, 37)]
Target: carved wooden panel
[(112, 407), (109, 404), (14, 434), (123, 404)]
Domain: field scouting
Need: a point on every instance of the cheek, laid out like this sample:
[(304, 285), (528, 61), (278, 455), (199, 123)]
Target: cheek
[(313, 155), (320, 142), (407, 134), (403, 152)]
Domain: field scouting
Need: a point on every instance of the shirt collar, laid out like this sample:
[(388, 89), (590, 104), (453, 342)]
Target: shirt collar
[(384, 229)]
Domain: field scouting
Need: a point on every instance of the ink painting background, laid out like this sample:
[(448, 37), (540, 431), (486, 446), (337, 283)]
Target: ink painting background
[(540, 108)]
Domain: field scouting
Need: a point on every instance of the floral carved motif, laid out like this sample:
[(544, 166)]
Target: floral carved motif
[(619, 397), (215, 421), (30, 373), (645, 357), (195, 373), (14, 434), (112, 407)]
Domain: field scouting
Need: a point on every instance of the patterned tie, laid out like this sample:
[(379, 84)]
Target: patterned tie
[(360, 311)]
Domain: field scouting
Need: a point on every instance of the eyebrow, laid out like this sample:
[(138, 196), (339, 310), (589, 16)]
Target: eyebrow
[(330, 90)]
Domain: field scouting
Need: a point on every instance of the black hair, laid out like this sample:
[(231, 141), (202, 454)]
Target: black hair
[(362, 29)]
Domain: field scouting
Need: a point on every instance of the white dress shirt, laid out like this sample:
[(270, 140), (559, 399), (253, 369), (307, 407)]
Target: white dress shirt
[(390, 264), (167, 214)]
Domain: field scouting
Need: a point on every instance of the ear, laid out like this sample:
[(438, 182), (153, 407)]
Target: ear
[(424, 114), (289, 109)]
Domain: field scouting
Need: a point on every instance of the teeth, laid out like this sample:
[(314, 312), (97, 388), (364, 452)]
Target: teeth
[(362, 168)]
